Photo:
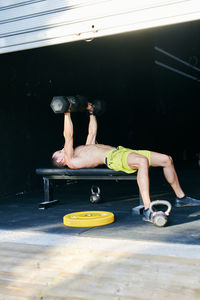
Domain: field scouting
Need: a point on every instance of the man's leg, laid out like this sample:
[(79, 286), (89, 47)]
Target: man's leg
[(166, 162), (140, 163)]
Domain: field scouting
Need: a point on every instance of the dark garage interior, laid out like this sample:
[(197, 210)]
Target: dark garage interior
[(148, 106)]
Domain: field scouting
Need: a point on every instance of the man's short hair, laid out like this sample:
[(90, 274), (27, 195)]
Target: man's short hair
[(55, 163)]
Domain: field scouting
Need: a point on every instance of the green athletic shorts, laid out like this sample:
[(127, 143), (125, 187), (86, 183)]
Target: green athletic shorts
[(117, 159)]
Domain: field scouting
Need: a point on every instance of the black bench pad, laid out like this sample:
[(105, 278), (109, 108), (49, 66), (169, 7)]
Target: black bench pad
[(79, 172)]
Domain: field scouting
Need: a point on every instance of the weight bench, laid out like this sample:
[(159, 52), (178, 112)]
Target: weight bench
[(80, 174)]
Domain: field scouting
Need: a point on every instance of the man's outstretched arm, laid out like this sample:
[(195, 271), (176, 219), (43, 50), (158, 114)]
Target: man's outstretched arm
[(92, 130), (68, 135)]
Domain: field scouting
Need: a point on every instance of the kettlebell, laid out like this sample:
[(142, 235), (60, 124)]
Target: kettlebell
[(160, 218), (95, 194)]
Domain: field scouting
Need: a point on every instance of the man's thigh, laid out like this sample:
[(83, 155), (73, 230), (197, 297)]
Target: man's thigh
[(134, 160), (158, 159)]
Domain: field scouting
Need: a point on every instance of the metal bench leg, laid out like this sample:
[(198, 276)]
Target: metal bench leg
[(48, 194), (138, 210)]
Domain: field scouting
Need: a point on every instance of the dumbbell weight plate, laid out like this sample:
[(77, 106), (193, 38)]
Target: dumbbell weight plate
[(99, 107), (59, 104), (88, 219)]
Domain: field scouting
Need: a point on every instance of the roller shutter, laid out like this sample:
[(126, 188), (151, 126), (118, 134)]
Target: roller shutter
[(26, 24)]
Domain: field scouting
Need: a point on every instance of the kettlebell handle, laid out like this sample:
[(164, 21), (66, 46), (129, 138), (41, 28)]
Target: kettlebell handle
[(161, 202), (95, 190)]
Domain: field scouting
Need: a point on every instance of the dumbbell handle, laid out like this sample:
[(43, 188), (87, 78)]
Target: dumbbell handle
[(161, 202)]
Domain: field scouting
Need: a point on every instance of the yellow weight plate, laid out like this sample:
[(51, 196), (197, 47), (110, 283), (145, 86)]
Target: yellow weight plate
[(88, 219)]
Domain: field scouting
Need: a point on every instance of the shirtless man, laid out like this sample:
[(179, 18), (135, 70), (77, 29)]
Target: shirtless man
[(92, 155)]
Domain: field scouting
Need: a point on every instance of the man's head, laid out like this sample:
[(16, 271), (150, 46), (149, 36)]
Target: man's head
[(58, 159)]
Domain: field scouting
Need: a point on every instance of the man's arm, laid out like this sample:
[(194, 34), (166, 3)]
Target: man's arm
[(68, 135), (92, 130)]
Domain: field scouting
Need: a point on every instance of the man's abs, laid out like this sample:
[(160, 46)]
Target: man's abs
[(89, 156)]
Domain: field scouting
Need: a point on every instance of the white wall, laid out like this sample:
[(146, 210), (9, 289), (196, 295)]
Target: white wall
[(26, 24)]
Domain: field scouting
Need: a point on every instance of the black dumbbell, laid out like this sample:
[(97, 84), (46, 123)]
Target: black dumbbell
[(61, 104), (99, 107), (160, 218)]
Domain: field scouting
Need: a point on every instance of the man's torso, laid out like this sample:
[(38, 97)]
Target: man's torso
[(90, 156)]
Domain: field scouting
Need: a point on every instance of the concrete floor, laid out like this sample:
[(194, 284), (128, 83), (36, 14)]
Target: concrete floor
[(40, 258)]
